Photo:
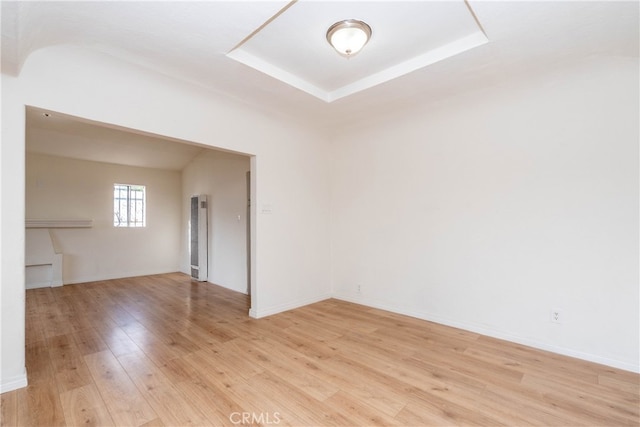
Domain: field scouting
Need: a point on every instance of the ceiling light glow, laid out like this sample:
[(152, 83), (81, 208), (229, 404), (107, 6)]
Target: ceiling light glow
[(348, 37)]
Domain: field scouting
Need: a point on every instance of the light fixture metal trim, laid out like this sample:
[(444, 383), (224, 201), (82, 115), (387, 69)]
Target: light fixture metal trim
[(354, 41)]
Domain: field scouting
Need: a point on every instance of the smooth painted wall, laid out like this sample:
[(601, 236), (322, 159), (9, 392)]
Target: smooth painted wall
[(12, 271), (222, 178), (64, 188), (491, 209)]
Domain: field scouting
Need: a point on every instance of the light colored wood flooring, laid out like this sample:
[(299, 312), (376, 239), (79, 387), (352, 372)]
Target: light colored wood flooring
[(163, 350)]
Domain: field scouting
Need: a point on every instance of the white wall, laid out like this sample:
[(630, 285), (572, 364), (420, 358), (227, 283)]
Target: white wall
[(222, 177), (488, 210), (63, 188), (12, 317), (290, 251)]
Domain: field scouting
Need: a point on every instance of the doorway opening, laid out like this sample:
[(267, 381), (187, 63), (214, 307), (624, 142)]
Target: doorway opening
[(74, 158)]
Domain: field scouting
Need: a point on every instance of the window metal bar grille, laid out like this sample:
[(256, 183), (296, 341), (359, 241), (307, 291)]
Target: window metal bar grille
[(128, 205)]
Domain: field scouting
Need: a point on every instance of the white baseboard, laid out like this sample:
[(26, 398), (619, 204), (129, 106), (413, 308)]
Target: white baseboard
[(38, 285), (479, 329), (13, 383), (268, 311)]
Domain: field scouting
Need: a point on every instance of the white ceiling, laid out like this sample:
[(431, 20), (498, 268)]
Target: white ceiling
[(65, 136), (192, 41), (406, 37)]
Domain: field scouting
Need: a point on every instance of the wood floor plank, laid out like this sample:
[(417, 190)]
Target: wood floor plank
[(73, 378), (69, 367), (382, 392), (9, 409), (149, 343), (88, 341), (294, 405), (34, 329), (619, 383), (411, 415), (264, 405), (528, 403), (569, 399), (179, 370), (15, 408), (217, 371), (170, 406), (206, 338), (267, 356), (413, 372), (356, 412), (302, 344), (55, 323), (180, 344), (555, 363), (154, 423), (235, 365), (213, 402), (320, 314), (39, 367), (83, 406), (118, 341), (43, 404), (452, 406), (124, 402), (165, 350)]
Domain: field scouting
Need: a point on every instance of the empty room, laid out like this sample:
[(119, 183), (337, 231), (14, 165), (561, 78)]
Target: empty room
[(320, 213)]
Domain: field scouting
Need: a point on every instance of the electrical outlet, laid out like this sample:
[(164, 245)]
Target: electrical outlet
[(556, 315), (359, 289)]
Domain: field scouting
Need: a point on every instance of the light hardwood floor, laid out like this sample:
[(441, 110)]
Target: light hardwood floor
[(163, 350)]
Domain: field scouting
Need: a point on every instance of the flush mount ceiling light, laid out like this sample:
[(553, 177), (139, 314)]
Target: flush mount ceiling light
[(349, 36)]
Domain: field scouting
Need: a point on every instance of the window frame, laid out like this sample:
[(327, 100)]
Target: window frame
[(133, 215)]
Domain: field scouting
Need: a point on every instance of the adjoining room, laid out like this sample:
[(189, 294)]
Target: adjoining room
[(72, 169)]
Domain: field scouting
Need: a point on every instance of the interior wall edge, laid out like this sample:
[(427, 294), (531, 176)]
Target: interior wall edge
[(269, 311)]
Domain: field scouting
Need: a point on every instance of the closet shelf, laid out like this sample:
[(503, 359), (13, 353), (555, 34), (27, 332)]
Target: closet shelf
[(59, 223)]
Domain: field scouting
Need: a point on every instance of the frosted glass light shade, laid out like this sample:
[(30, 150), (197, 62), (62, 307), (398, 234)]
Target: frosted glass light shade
[(348, 37)]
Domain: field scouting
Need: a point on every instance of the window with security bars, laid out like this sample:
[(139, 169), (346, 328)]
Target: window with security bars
[(129, 205)]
